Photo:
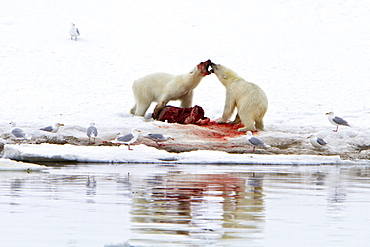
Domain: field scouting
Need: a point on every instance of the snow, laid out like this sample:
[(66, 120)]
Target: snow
[(51, 152), (309, 57), (11, 165)]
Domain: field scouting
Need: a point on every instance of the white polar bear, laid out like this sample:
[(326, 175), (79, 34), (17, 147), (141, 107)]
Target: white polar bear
[(248, 98), (163, 87)]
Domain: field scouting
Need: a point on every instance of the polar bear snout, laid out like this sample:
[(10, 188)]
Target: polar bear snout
[(203, 67), (213, 67)]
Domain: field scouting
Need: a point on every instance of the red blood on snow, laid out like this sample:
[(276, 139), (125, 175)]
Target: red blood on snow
[(220, 132), (195, 115)]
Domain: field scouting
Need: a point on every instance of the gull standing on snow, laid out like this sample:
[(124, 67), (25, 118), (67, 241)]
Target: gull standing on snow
[(317, 142), (18, 133), (92, 131), (128, 139), (255, 141), (73, 31), (336, 120), (158, 138), (52, 129)]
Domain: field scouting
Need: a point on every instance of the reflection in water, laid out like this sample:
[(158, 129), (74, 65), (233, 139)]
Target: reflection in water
[(186, 205), (203, 207), (90, 189), (16, 187)]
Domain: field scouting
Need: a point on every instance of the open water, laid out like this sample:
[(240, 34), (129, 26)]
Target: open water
[(186, 205)]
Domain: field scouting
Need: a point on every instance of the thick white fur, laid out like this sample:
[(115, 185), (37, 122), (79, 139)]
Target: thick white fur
[(248, 98), (163, 87)]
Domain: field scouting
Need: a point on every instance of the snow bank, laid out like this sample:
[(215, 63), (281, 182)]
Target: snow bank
[(11, 165), (145, 154)]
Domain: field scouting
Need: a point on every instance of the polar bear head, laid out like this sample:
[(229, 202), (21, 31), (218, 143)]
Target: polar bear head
[(224, 74), (203, 68)]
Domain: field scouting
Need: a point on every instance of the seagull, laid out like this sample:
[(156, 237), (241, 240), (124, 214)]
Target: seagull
[(158, 138), (18, 133), (255, 141), (129, 138), (52, 129), (317, 142), (336, 120), (73, 31), (92, 131)]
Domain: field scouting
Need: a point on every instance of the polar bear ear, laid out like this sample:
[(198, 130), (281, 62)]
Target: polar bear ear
[(224, 76)]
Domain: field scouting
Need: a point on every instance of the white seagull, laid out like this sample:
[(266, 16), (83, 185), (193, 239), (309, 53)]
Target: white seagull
[(158, 138), (255, 141), (317, 142), (18, 133), (128, 139), (92, 131), (52, 129), (73, 31), (336, 120)]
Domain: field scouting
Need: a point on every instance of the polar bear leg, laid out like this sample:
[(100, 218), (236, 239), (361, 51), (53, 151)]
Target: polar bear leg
[(133, 110), (228, 110), (260, 125), (158, 108), (187, 100), (248, 123), (141, 108)]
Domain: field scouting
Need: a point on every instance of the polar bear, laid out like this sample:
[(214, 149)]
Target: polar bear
[(163, 87), (248, 98)]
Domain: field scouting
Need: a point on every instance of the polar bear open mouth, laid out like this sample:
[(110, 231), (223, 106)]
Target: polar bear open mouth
[(204, 67), (209, 66)]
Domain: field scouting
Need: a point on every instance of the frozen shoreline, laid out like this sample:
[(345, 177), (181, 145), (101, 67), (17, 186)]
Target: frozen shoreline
[(209, 144), (150, 153), (144, 154)]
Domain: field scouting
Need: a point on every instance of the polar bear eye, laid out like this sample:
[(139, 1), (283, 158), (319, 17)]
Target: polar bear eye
[(224, 76)]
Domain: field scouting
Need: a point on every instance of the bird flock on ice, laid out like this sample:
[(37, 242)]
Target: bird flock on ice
[(127, 139), (315, 141), (92, 132)]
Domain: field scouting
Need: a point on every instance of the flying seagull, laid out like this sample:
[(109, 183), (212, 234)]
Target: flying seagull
[(52, 128), (255, 141), (158, 138), (317, 142), (336, 120), (73, 31), (128, 139), (18, 133), (92, 131)]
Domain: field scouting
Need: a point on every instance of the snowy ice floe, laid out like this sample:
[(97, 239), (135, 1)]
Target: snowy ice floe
[(48, 78), (145, 154), (11, 165)]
